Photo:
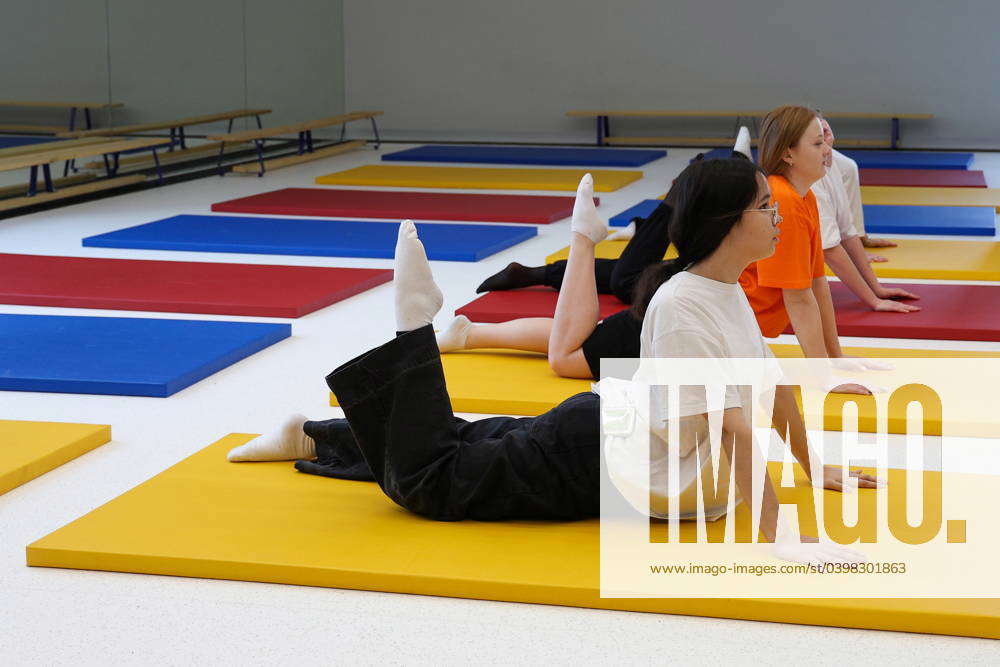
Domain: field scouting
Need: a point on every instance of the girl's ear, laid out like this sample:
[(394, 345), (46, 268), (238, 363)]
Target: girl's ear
[(787, 157)]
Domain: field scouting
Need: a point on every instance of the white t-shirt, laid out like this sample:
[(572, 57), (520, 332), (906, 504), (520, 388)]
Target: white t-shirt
[(836, 217), (693, 316)]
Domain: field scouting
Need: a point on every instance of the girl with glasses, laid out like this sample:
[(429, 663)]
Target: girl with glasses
[(400, 430)]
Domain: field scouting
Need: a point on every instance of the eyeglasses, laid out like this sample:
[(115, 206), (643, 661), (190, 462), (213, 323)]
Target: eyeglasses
[(775, 217)]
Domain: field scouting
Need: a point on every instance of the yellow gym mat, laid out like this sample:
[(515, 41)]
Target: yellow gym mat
[(206, 517), (913, 258), (896, 196), (481, 178), (509, 382), (30, 449)]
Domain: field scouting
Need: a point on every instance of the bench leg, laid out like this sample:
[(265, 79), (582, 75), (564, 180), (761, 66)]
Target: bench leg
[(259, 144), (86, 118), (259, 125), (343, 130), (72, 119), (33, 181), (159, 172), (180, 135), (309, 141), (111, 166), (47, 174), (222, 149), (378, 139), (894, 140), (173, 139), (600, 130), (607, 127), (302, 142)]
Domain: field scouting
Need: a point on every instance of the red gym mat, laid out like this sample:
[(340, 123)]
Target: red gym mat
[(514, 304), (923, 178), (948, 312), (179, 287), (539, 210)]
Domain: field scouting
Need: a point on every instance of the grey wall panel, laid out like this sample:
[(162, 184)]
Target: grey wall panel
[(176, 59), (468, 68), (52, 50), (295, 63)]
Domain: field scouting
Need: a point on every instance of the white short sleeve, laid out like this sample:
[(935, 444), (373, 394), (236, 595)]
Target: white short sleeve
[(693, 344), (835, 215)]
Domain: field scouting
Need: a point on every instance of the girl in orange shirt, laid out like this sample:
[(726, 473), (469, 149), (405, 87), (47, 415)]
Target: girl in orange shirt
[(790, 286)]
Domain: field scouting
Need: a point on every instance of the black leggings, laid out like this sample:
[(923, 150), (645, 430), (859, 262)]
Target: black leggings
[(399, 420), (619, 276)]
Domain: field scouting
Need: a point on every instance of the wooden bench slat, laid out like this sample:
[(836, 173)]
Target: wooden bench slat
[(76, 152), (95, 186), (75, 179), (33, 129), (700, 141), (289, 160), (734, 114), (62, 105), (165, 125), (49, 145), (267, 132), (665, 114), (167, 157)]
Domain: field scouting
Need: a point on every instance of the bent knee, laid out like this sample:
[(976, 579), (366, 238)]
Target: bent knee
[(571, 364)]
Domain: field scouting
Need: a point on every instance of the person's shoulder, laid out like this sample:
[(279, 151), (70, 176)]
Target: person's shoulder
[(779, 185), (673, 295)]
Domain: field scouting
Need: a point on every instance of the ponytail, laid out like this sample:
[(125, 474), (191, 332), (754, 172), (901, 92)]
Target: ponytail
[(709, 198)]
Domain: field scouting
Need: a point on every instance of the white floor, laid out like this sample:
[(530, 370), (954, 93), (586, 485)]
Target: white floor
[(58, 616)]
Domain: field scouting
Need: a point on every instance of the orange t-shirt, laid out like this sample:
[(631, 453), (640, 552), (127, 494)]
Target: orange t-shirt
[(796, 261)]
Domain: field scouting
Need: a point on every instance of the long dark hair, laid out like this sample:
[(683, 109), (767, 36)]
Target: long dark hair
[(709, 197)]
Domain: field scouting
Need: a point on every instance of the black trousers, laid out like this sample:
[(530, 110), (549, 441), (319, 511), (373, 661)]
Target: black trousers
[(442, 467), (619, 276)]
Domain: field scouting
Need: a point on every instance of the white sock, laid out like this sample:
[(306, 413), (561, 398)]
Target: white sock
[(623, 234), (418, 298), (585, 218), (743, 142), (288, 442), (454, 337)]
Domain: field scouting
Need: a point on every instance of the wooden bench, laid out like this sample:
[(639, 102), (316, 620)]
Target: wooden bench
[(71, 150), (604, 127), (176, 127), (306, 152), (73, 107)]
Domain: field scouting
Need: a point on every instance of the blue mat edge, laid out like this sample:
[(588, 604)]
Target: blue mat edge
[(271, 333), (407, 155), (517, 234)]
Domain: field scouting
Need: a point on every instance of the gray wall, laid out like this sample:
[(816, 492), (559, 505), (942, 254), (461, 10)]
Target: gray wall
[(466, 69), (168, 60)]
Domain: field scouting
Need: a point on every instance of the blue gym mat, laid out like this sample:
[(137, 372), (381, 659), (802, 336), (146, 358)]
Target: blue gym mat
[(723, 153), (935, 220), (910, 159), (122, 356), (885, 159), (643, 209), (12, 142), (540, 155), (323, 238)]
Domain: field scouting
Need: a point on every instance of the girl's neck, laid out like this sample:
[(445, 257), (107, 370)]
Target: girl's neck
[(722, 266), (798, 182)]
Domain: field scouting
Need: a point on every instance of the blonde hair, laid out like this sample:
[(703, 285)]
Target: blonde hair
[(780, 130)]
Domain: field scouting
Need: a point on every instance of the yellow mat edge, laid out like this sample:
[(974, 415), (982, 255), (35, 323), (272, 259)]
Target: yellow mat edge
[(64, 454), (789, 611), (882, 269), (779, 610)]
